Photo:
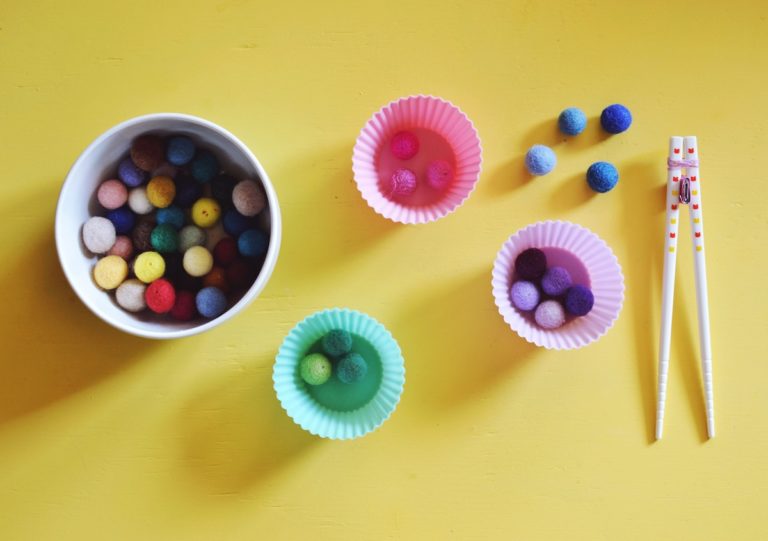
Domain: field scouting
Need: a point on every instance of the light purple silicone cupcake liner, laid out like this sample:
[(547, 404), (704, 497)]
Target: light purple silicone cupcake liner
[(431, 113), (604, 275)]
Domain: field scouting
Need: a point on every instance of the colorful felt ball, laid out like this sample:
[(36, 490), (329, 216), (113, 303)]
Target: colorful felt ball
[(161, 191), (138, 201), (351, 368), (572, 121), (123, 219), (525, 295), (112, 194), (99, 235), (141, 235), (191, 235), (221, 189), (198, 261), (225, 251), (253, 243), (110, 271), (556, 281), (184, 308), (130, 174), (149, 266), (235, 223), (550, 315), (180, 150), (404, 145), (616, 118), (217, 277), (164, 238), (211, 302), (122, 247), (205, 212), (239, 274), (148, 152), (579, 300), (402, 182), (315, 369), (171, 215), (248, 197), (160, 296), (204, 167), (602, 177), (130, 295), (166, 170), (439, 174), (187, 191), (540, 160), (530, 264), (336, 342)]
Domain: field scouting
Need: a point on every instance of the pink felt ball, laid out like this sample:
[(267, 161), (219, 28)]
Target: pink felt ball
[(439, 174), (404, 145), (122, 247), (112, 194), (402, 182)]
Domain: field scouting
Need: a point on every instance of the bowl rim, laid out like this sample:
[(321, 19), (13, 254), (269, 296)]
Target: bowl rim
[(270, 260)]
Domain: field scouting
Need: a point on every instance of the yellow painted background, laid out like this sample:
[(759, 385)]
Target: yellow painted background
[(106, 436)]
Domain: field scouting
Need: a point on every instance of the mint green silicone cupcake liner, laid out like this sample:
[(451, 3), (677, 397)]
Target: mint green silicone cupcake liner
[(335, 410)]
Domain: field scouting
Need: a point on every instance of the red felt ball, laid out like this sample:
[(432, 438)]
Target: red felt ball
[(184, 307), (160, 296), (225, 251), (239, 274)]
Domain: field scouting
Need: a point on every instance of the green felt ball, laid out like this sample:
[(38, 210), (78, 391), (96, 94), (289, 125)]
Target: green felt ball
[(337, 343), (315, 369), (164, 238), (351, 368)]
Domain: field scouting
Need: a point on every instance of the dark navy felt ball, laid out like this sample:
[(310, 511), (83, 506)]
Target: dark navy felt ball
[(204, 167), (616, 118), (235, 223), (530, 264), (602, 177), (180, 150), (579, 300), (187, 191), (123, 220), (252, 243)]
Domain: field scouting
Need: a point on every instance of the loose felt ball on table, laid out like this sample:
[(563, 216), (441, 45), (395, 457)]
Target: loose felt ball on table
[(235, 223), (556, 281), (138, 201), (579, 300), (99, 235), (550, 315), (540, 160), (122, 247), (112, 194), (142, 234), (572, 121), (439, 174), (130, 295), (198, 261), (240, 274), (616, 118), (402, 182), (217, 277), (148, 152), (130, 174), (524, 295), (172, 215), (190, 236), (187, 191), (221, 189), (531, 264), (248, 198), (315, 369), (404, 145), (165, 238), (211, 302), (180, 150), (149, 266), (336, 342), (205, 212), (184, 308), (161, 191), (123, 219), (204, 167), (225, 251), (160, 296), (351, 368), (110, 271), (602, 177), (252, 243)]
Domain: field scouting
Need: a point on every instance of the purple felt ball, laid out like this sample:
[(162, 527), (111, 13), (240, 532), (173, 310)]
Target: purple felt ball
[(531, 264), (556, 281), (402, 182), (525, 295), (579, 300), (404, 145), (550, 315), (129, 173), (439, 174)]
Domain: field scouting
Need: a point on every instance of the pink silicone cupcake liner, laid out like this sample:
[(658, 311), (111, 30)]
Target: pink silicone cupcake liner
[(590, 262), (444, 132)]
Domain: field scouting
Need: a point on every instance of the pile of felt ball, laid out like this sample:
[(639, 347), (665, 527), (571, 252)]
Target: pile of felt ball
[(404, 145), (176, 235), (548, 292), (337, 356)]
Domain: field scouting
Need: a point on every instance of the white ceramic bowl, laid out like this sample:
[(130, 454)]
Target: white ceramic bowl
[(99, 162)]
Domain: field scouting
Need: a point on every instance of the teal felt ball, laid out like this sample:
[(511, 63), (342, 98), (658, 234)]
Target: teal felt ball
[(164, 238), (351, 368), (337, 343)]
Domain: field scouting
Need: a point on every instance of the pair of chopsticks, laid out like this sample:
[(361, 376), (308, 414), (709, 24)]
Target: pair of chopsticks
[(684, 189)]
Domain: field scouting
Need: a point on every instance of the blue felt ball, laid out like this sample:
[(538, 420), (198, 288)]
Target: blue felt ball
[(602, 177), (130, 174), (204, 167), (572, 121), (540, 160), (252, 243), (615, 118), (351, 368), (211, 302), (180, 150), (170, 215), (123, 220), (235, 223)]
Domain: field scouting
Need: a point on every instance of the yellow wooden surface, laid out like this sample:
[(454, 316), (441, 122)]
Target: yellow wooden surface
[(106, 436)]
